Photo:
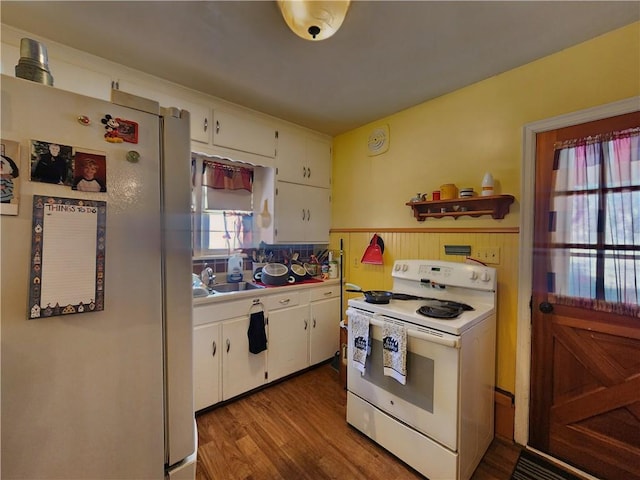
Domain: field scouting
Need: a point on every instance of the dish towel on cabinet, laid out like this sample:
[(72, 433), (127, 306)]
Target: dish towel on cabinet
[(256, 333), (394, 351), (361, 340)]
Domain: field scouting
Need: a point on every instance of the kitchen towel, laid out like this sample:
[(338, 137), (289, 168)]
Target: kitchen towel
[(394, 351), (359, 325), (256, 333)]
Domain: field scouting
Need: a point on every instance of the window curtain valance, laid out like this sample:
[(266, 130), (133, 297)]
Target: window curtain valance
[(226, 177), (226, 186)]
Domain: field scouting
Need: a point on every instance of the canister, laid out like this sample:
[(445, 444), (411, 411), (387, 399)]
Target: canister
[(448, 191), (333, 269)]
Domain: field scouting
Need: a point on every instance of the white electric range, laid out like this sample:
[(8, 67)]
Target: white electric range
[(441, 421)]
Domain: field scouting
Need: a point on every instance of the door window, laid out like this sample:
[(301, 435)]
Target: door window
[(594, 223)]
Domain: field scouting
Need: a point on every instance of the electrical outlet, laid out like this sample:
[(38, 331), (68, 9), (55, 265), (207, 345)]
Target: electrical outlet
[(488, 255)]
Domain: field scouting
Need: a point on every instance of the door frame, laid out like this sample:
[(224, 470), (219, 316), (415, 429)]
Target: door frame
[(527, 190)]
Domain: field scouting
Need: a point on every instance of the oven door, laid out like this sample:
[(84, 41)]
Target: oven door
[(428, 402)]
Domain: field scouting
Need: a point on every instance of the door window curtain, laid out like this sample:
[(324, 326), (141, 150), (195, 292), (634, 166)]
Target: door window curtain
[(594, 223)]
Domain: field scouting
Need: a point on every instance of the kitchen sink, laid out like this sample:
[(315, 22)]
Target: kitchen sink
[(234, 287)]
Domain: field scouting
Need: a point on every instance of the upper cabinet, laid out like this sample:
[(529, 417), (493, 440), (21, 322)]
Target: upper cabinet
[(302, 214), (243, 132), (303, 159), (233, 130)]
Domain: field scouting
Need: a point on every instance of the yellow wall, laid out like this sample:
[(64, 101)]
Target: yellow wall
[(456, 138)]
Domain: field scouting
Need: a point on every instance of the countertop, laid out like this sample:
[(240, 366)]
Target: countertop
[(262, 292)]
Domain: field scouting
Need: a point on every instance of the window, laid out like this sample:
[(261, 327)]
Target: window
[(594, 223), (222, 206)]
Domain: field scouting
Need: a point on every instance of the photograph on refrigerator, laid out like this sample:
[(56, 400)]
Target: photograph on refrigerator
[(67, 256), (9, 177), (89, 172), (51, 162)]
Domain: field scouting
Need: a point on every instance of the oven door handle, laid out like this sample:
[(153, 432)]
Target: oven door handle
[(378, 321)]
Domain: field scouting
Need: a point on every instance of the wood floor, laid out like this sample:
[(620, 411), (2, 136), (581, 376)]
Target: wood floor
[(296, 429)]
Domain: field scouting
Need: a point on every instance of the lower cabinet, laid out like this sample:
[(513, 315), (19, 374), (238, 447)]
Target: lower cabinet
[(287, 347), (324, 332), (241, 369), (303, 329), (206, 365)]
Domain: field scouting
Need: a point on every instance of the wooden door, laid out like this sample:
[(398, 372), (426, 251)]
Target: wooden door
[(585, 364)]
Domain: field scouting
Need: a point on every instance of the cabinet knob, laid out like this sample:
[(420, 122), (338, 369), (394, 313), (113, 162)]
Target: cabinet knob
[(306, 324), (206, 124), (217, 126), (304, 215), (304, 172), (213, 348), (228, 345), (308, 172), (314, 323), (308, 215)]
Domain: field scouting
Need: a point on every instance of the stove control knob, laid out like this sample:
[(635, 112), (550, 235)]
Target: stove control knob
[(473, 275), (396, 267), (405, 267), (485, 277)]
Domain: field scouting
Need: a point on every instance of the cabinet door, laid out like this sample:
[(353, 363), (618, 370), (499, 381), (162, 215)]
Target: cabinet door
[(318, 162), (206, 365), (291, 158), (243, 132), (303, 159), (201, 121), (318, 215), (241, 369), (324, 337), (290, 213), (288, 332), (302, 214), (84, 81)]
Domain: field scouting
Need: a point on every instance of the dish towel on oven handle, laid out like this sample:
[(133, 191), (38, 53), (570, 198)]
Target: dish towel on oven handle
[(359, 324), (394, 351)]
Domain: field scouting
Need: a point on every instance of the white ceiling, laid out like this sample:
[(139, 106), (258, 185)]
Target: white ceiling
[(388, 55)]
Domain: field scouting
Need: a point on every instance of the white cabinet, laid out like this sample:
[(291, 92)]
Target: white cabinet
[(243, 132), (324, 331), (288, 332), (302, 330), (241, 370), (223, 365), (303, 180), (303, 158), (305, 335), (234, 130), (302, 214), (206, 365)]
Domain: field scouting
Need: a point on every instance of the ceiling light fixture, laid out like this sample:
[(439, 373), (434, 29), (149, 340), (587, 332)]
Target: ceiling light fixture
[(313, 19)]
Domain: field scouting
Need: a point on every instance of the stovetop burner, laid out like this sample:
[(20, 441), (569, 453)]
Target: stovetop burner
[(443, 308)]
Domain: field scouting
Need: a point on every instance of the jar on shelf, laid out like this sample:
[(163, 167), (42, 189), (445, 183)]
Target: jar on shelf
[(448, 191)]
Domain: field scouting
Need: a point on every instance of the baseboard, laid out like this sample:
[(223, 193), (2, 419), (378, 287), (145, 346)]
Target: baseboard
[(505, 415)]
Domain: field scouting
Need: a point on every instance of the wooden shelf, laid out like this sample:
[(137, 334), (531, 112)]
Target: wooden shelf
[(496, 205)]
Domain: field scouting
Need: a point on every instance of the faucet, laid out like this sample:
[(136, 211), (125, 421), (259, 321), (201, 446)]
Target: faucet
[(207, 276)]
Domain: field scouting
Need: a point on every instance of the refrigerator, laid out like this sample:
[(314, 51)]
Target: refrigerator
[(99, 388)]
